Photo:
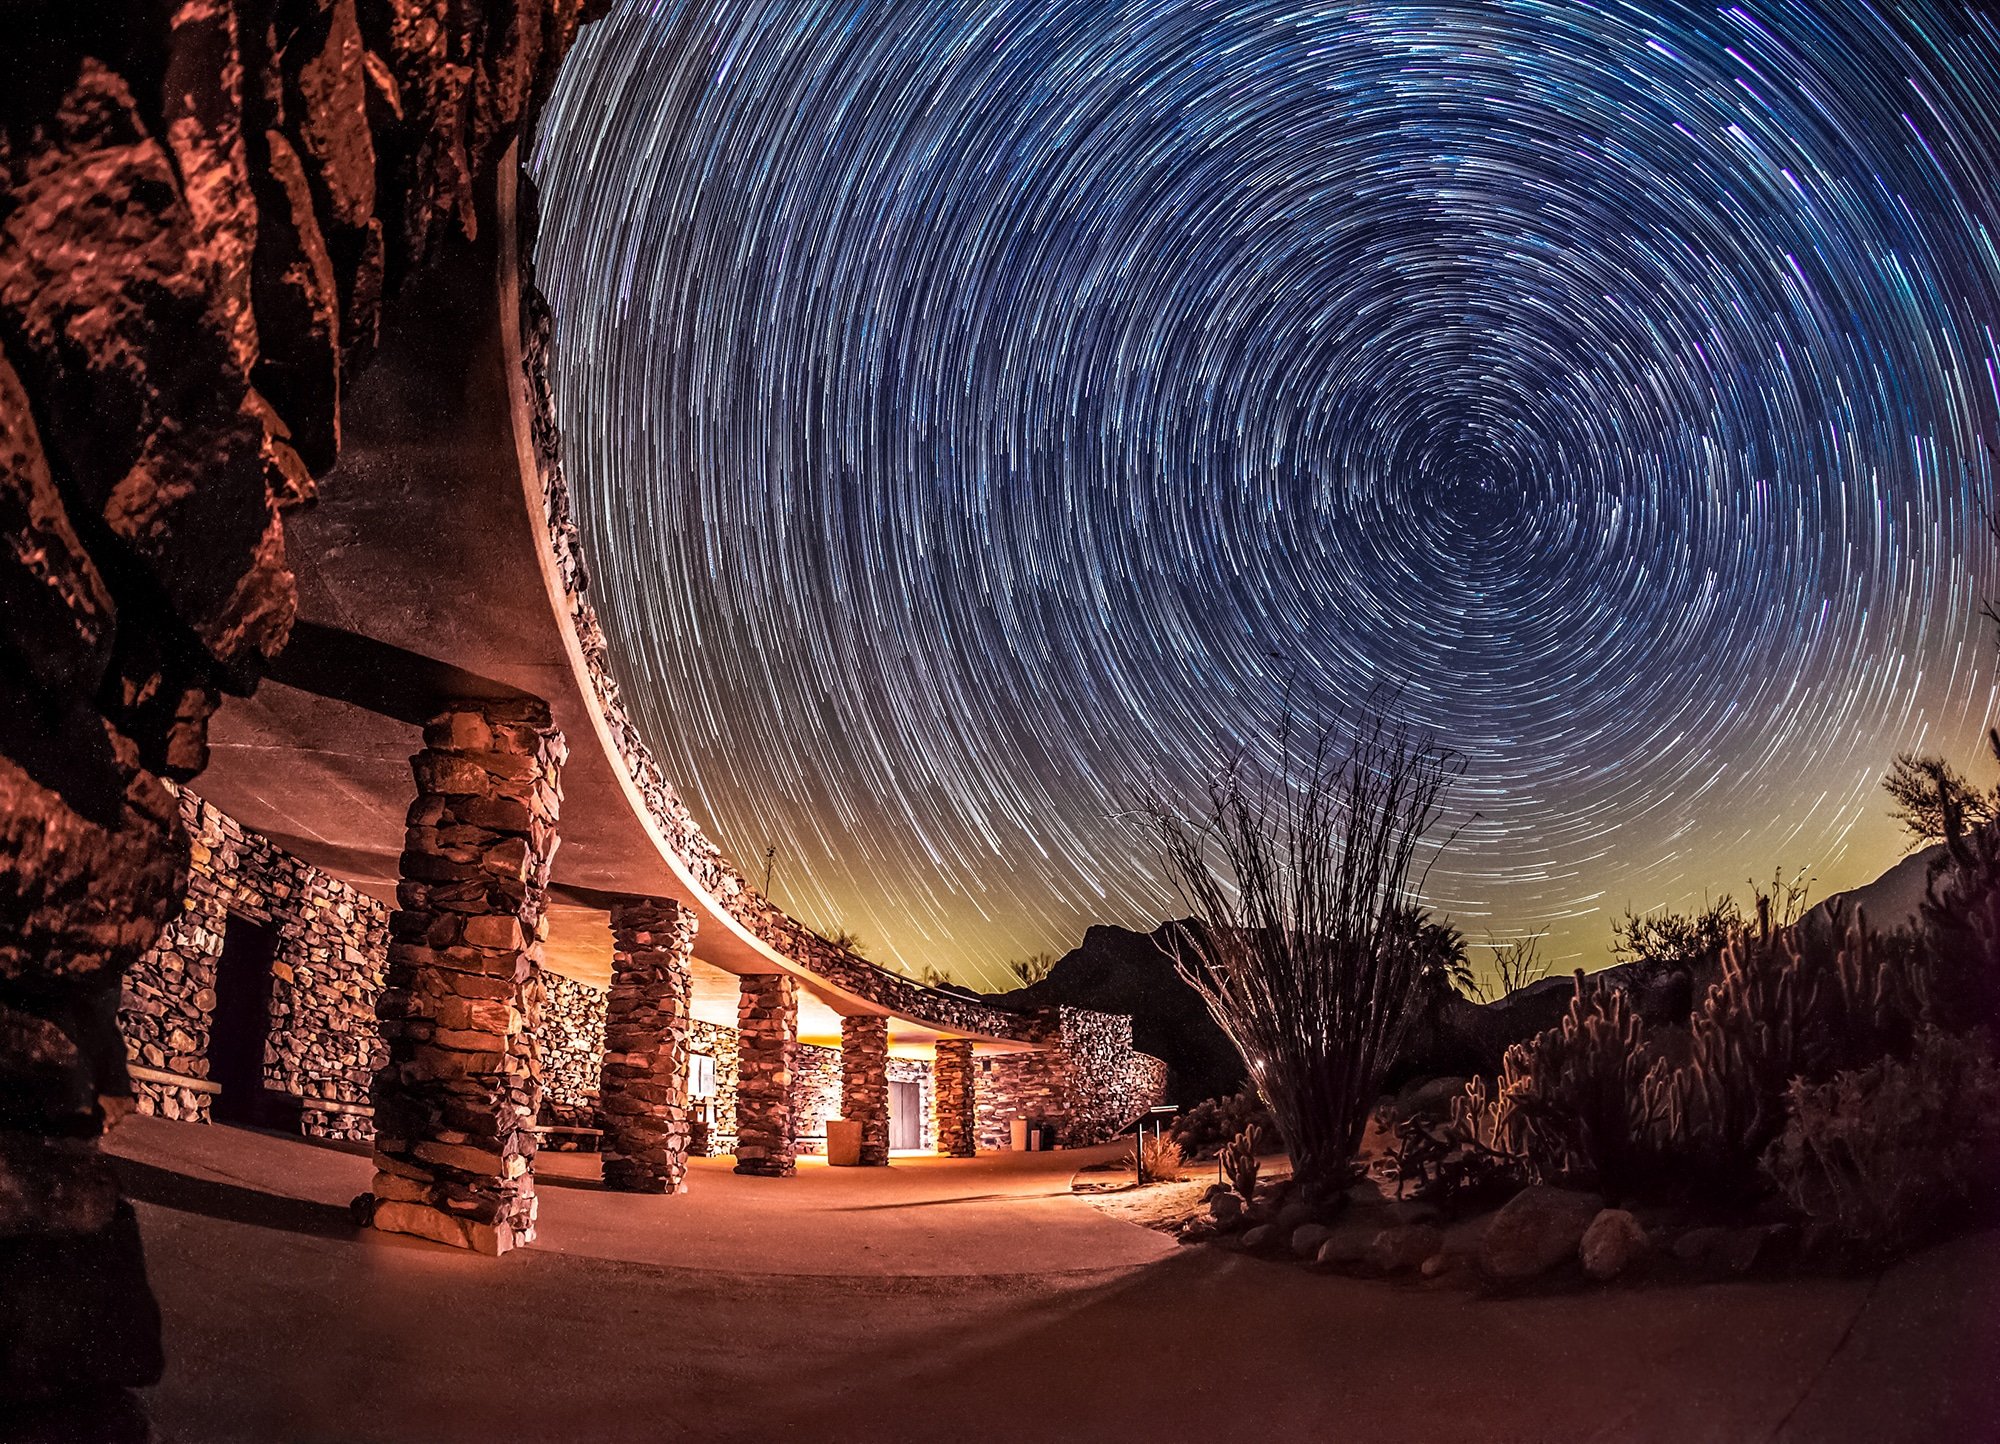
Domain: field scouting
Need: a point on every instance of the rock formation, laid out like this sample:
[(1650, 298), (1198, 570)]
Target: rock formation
[(204, 208)]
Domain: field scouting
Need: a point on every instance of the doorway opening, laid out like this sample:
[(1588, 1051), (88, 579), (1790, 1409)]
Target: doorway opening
[(241, 1023), (906, 1117)]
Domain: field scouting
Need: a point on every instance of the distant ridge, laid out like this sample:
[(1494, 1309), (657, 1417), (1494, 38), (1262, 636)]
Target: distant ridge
[(1891, 901)]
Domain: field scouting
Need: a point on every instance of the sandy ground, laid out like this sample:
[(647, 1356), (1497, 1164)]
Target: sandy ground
[(972, 1301)]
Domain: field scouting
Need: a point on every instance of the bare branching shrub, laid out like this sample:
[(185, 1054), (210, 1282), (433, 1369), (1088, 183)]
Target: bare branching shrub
[(1032, 969), (1661, 943), (1891, 1153), (1239, 1161), (1157, 1158), (1511, 966), (1309, 947)]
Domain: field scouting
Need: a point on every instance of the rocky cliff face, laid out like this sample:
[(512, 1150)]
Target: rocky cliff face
[(205, 207), (1119, 971)]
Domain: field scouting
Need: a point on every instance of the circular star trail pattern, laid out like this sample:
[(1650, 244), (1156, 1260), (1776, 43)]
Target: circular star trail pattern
[(984, 415)]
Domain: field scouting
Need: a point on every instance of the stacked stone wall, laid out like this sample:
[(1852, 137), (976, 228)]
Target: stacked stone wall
[(816, 1074), (572, 1050), (1088, 1087), (323, 1046), (718, 1043)]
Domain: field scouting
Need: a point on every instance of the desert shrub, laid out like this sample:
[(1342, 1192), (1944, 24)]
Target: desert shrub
[(1596, 1101), (1890, 1153), (1961, 917), (1308, 954), (1211, 1123), (1239, 1161), (1657, 944), (1514, 965), (1157, 1158), (1571, 1105), (1807, 1002), (1460, 1161)]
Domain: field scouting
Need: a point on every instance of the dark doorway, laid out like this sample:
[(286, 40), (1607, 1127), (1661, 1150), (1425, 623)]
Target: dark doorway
[(242, 1020), (906, 1115)]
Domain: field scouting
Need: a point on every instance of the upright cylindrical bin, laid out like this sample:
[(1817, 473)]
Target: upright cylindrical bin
[(1017, 1135)]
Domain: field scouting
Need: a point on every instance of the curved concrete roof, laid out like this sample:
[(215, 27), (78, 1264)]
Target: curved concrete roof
[(437, 564)]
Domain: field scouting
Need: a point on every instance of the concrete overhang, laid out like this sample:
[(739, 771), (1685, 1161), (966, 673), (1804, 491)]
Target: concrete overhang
[(426, 572)]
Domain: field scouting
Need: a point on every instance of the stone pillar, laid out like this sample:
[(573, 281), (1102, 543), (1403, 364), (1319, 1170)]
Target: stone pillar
[(643, 1098), (455, 1103), (956, 1113), (864, 1082), (767, 1031)]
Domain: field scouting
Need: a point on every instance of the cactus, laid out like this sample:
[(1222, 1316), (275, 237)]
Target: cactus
[(1571, 1103), (1791, 1003), (1239, 1161)]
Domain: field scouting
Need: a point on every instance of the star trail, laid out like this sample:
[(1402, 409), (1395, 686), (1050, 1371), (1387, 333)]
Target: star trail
[(980, 414)]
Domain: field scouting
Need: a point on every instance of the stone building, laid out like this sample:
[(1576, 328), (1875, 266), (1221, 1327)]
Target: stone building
[(275, 428), (258, 1004)]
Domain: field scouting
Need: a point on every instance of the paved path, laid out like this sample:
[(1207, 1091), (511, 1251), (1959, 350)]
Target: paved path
[(973, 1301)]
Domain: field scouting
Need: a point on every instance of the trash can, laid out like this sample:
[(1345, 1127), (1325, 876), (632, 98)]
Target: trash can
[(1017, 1135), (843, 1143)]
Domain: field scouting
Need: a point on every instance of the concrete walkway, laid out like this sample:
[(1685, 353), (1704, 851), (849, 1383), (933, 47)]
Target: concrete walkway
[(971, 1301)]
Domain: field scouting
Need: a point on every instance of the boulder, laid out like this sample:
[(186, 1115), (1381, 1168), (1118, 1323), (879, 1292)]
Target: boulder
[(1260, 1237), (1612, 1243), (1295, 1215), (1226, 1209), (1307, 1238), (1403, 1247), (1344, 1247), (1539, 1228), (1694, 1246)]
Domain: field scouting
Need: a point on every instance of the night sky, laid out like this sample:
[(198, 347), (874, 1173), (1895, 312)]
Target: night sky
[(982, 414)]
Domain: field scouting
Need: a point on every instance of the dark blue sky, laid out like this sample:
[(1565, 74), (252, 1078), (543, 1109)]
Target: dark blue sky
[(979, 413)]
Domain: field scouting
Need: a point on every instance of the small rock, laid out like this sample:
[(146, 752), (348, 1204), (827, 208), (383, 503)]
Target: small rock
[(1262, 1236), (1293, 1215), (1539, 1228), (1196, 1231), (1739, 1249), (1436, 1266), (1346, 1246), (1307, 1238), (1612, 1243), (1406, 1246), (1694, 1246)]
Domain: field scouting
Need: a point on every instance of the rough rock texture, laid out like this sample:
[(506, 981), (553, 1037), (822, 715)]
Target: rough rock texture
[(767, 1031), (643, 1100), (1406, 1246), (1116, 970), (1536, 1230), (332, 944), (957, 1122), (1612, 1244), (455, 1104), (715, 1115), (1088, 1086), (816, 1072), (572, 1050), (202, 209), (864, 1083)]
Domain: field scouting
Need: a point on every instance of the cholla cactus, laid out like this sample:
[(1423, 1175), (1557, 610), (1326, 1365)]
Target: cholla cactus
[(1572, 1102), (1239, 1161), (1791, 1003)]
